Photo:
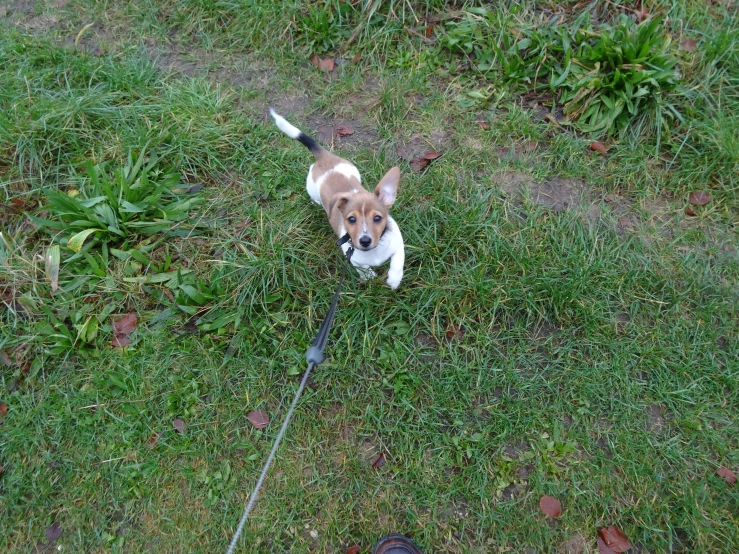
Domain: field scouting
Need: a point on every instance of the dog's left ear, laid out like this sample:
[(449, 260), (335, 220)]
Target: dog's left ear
[(387, 188)]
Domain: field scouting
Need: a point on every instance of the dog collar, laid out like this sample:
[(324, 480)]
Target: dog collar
[(343, 240)]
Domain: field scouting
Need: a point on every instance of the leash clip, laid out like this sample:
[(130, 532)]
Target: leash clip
[(342, 241)]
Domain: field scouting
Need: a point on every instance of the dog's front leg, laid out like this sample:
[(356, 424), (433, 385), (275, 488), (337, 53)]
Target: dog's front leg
[(395, 273), (365, 272)]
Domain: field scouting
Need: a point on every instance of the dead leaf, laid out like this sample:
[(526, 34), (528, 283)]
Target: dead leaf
[(356, 549), (180, 426), (314, 60), (550, 506), (429, 32), (344, 130), (690, 211), (258, 419), (119, 341), (3, 411), (420, 163), (1, 470), (641, 15), (380, 461), (5, 358), (598, 147), (53, 532), (727, 474), (153, 439), (615, 539), (97, 52), (326, 65), (126, 325), (454, 331), (18, 204), (484, 125), (356, 58), (688, 44), (603, 548), (699, 198)]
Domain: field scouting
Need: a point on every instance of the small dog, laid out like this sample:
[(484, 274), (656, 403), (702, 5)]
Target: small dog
[(335, 184)]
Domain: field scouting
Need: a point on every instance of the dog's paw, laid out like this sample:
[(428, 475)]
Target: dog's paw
[(393, 280)]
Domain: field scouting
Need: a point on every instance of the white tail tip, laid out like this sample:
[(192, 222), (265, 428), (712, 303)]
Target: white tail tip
[(284, 126)]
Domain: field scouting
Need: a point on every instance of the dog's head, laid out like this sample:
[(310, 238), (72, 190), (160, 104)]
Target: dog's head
[(365, 213)]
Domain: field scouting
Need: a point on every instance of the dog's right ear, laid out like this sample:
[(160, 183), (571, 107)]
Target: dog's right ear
[(339, 203)]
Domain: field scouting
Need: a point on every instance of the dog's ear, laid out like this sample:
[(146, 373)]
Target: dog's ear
[(339, 203), (387, 188)]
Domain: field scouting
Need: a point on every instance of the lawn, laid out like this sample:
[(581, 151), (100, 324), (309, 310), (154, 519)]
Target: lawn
[(568, 323)]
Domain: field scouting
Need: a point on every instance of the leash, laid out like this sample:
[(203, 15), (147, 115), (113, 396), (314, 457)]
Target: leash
[(314, 356)]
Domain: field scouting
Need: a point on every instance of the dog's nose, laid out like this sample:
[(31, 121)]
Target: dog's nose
[(364, 242)]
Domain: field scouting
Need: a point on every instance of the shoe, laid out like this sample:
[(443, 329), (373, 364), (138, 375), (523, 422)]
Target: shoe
[(395, 544)]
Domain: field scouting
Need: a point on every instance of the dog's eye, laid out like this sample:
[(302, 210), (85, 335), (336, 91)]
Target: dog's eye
[(378, 218), (351, 219)]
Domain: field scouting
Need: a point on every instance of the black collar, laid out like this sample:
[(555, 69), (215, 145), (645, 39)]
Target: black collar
[(343, 240)]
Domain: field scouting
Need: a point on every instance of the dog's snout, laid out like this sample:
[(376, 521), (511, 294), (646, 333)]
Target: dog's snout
[(364, 242)]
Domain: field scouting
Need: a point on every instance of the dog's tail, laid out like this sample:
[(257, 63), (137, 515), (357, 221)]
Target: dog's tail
[(293, 132)]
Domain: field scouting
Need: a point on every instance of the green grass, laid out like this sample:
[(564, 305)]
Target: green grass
[(596, 358)]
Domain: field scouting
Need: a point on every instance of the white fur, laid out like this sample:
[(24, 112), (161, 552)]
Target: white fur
[(390, 247), (283, 125)]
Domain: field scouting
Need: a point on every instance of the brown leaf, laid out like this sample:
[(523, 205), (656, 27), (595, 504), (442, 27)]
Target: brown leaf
[(454, 331), (418, 164), (153, 440), (380, 461), (314, 60), (484, 125), (356, 549), (344, 130), (326, 65), (550, 506), (126, 325), (3, 411), (603, 548), (431, 155), (690, 211), (356, 58), (1, 470), (179, 425), (18, 204), (429, 32), (699, 198), (598, 147), (688, 44), (258, 419), (53, 532), (727, 474), (615, 539), (641, 15), (5, 358), (119, 341)]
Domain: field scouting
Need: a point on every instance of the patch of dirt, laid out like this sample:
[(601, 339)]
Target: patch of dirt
[(575, 544), (510, 492), (455, 511), (655, 420), (555, 194), (513, 451), (323, 127), (417, 145)]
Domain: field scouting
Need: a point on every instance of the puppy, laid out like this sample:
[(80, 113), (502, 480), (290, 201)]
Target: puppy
[(335, 184)]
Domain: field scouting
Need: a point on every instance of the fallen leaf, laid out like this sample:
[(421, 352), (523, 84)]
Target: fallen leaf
[(690, 211), (615, 539), (344, 130), (641, 15), (484, 125), (3, 411), (454, 331), (727, 474), (380, 461), (1, 470), (314, 59), (550, 506), (431, 155), (419, 163), (126, 325), (603, 548), (598, 147), (5, 358), (119, 341), (53, 532), (688, 44), (429, 32), (179, 425), (326, 65), (153, 439), (356, 58), (258, 419), (610, 197), (667, 193), (699, 198), (18, 204), (356, 549)]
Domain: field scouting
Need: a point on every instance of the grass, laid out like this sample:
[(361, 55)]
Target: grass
[(587, 353)]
